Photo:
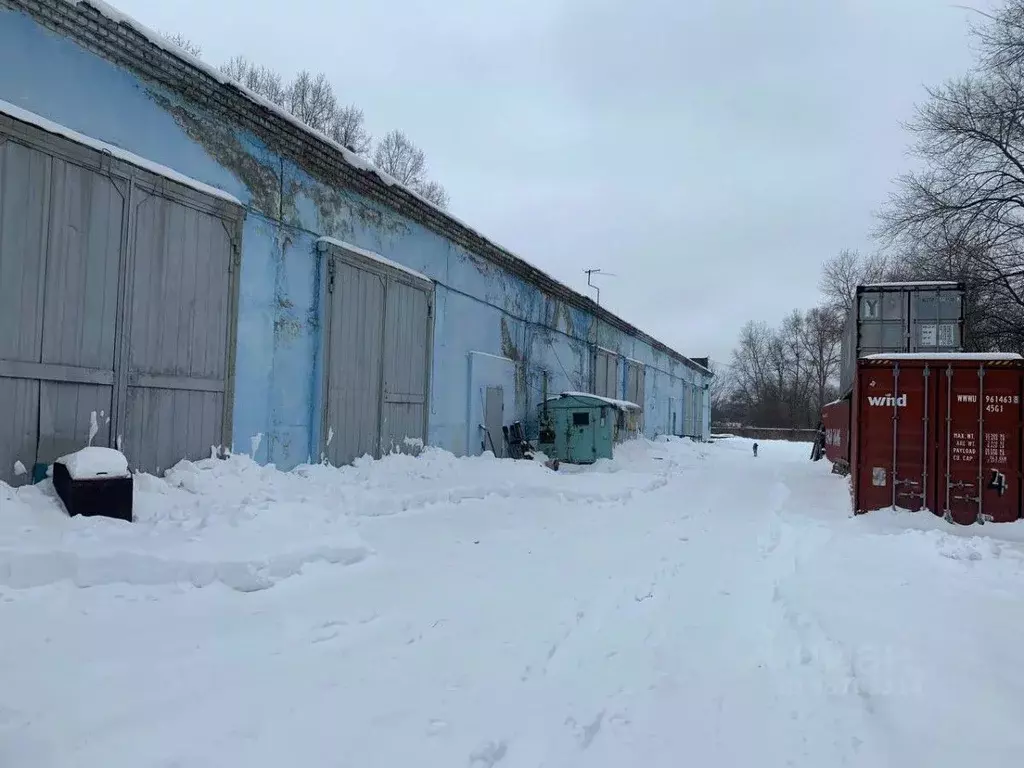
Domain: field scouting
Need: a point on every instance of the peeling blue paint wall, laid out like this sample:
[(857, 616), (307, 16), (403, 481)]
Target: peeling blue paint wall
[(478, 306)]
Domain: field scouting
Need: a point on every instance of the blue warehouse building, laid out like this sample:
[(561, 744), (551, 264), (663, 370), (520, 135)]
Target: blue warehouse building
[(186, 268)]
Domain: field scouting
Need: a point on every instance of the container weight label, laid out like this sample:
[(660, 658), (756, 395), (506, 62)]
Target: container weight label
[(965, 447), (995, 448)]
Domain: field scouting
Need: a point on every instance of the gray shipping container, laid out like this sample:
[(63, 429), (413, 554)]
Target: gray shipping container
[(918, 317)]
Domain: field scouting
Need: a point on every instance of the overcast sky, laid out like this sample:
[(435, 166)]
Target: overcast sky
[(711, 154)]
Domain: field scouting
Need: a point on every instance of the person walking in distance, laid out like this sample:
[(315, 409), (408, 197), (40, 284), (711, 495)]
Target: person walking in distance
[(755, 450)]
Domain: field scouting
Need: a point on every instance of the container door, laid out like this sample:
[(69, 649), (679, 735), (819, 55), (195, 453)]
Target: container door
[(895, 466), (980, 454), (935, 321)]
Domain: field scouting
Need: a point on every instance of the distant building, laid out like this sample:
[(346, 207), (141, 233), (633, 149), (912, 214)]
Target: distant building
[(185, 268)]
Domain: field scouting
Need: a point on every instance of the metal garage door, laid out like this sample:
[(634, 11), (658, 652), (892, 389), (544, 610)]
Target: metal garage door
[(377, 341), (181, 334), (636, 384), (105, 284), (606, 373)]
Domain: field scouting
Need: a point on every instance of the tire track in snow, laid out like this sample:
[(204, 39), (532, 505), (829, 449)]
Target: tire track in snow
[(817, 667)]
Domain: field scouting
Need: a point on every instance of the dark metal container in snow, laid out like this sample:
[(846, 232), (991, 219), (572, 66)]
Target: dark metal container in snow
[(920, 317), (99, 488)]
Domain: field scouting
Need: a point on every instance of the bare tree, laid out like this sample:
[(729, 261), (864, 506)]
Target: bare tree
[(842, 273), (258, 79), (311, 99), (781, 377), (193, 49), (720, 389), (433, 192), (962, 217), (348, 128), (397, 156), (821, 341)]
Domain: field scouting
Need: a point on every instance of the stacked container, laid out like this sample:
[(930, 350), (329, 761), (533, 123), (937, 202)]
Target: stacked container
[(921, 317)]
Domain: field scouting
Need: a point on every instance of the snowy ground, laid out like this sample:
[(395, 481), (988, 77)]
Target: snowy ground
[(683, 605)]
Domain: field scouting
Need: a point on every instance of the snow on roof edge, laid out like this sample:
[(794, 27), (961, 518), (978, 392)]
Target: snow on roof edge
[(374, 257), (910, 283), (979, 356), (354, 160), (25, 116), (621, 404)]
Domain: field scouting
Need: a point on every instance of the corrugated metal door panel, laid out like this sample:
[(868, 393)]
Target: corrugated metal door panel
[(406, 360), (894, 460), (980, 455), (60, 253), (913, 467), (24, 204), (354, 348), (80, 309), (180, 297), (874, 465), (641, 392), (606, 375), (600, 373), (19, 430), (67, 414), (687, 407)]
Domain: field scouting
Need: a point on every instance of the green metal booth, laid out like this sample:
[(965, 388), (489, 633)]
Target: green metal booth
[(580, 428)]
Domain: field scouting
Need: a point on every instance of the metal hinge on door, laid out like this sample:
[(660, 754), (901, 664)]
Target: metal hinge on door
[(236, 255), (330, 274)]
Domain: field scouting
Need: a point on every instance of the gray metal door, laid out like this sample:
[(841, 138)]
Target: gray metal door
[(355, 338), (494, 420), (636, 376), (606, 374), (178, 350), (378, 339), (106, 292), (407, 335), (697, 411), (60, 252)]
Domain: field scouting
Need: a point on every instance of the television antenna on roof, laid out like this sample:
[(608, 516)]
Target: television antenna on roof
[(590, 275)]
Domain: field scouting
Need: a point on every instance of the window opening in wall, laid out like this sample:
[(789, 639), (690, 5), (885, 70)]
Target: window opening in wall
[(581, 419)]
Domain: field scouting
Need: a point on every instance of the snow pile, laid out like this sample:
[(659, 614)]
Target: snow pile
[(232, 522), (683, 603), (94, 462), (247, 526)]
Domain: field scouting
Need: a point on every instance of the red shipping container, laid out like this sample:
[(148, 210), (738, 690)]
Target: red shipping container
[(942, 433), (835, 417)]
